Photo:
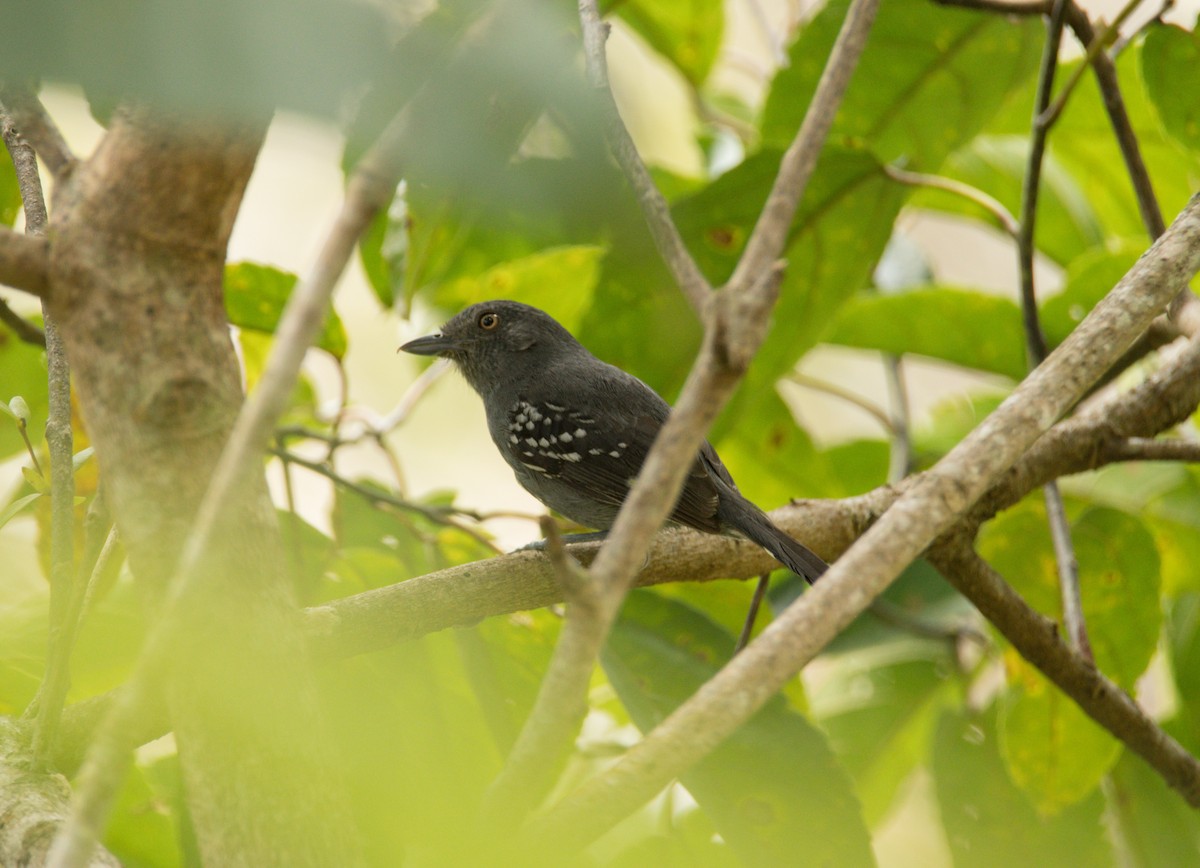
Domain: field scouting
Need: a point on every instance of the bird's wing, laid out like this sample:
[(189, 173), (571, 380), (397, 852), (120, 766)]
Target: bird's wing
[(603, 460)]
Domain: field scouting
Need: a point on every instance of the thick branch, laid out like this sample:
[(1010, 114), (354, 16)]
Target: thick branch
[(923, 512), (1036, 638), (23, 262)]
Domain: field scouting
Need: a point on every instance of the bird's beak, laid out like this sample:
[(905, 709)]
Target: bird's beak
[(430, 345)]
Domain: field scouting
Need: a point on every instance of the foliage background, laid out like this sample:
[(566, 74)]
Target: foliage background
[(892, 747)]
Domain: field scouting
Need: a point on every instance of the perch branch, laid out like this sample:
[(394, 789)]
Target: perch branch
[(736, 320), (923, 512)]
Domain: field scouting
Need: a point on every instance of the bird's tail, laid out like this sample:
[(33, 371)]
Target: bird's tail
[(746, 518)]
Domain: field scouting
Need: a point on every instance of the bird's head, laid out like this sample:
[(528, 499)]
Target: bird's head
[(496, 341)]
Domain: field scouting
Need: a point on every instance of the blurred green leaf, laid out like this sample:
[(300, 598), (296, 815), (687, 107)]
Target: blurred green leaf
[(255, 296), (220, 58), (558, 280), (1090, 277), (967, 328), (14, 509), (879, 705), (302, 406), (686, 32), (22, 373), (10, 194), (949, 422), (415, 747), (1151, 820), (774, 789), (1066, 224), (1118, 573), (141, 831), (382, 251), (930, 79), (989, 823), (1053, 751), (1171, 70), (1083, 143)]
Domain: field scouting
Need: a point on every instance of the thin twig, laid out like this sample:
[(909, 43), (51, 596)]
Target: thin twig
[(972, 194), (1052, 112), (21, 327), (846, 395), (53, 693), (370, 189), (901, 459), (1118, 116), (679, 261), (443, 516), (35, 123), (1035, 338)]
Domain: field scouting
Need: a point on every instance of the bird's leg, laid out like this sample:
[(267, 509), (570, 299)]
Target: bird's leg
[(760, 591), (539, 545)]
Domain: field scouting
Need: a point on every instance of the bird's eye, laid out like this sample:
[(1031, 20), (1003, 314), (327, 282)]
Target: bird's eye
[(489, 321)]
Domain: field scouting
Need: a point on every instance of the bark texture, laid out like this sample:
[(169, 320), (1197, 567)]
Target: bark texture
[(138, 245)]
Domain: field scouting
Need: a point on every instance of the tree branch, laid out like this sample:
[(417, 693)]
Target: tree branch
[(35, 123), (21, 327), (24, 262), (370, 189), (736, 322), (923, 512), (60, 641), (464, 595), (1036, 637), (688, 276)]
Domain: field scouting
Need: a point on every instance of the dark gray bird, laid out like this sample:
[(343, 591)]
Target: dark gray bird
[(575, 430)]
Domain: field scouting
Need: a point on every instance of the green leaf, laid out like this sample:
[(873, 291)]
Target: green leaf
[(1084, 144), (1052, 749), (686, 32), (81, 457), (949, 422), (10, 194), (988, 821), (1090, 277), (23, 374), (774, 789), (1118, 575), (1151, 819), (219, 58), (1066, 223), (956, 325), (382, 251), (13, 509), (839, 233), (139, 831), (1171, 70), (255, 296), (930, 78), (879, 705), (559, 280)]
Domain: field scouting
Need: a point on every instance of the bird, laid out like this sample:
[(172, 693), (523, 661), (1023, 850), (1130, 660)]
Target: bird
[(575, 430)]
